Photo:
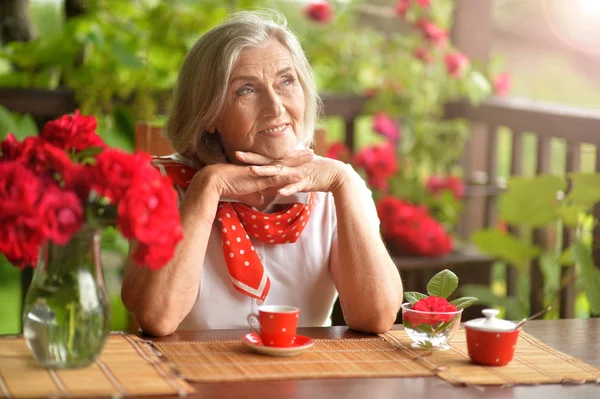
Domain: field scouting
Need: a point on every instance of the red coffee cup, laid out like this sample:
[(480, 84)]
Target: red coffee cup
[(491, 341), (277, 324)]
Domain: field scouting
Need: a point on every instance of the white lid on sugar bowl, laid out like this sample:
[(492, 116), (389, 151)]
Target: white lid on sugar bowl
[(490, 322)]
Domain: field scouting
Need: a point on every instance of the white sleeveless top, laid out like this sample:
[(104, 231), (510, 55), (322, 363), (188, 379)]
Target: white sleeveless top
[(299, 274)]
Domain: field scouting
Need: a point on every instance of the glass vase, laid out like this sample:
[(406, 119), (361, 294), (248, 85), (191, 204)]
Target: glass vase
[(66, 314)]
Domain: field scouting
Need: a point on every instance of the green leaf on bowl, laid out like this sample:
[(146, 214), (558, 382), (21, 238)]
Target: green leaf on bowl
[(414, 297), (442, 284), (464, 302)]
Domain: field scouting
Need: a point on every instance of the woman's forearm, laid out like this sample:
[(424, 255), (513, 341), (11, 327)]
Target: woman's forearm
[(367, 280), (161, 299)]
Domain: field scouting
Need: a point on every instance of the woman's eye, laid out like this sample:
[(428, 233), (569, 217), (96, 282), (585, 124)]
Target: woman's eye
[(287, 81), (243, 91)]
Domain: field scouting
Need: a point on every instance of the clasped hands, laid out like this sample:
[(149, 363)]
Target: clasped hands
[(259, 177)]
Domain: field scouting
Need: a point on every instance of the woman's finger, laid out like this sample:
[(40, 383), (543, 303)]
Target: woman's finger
[(297, 158), (291, 189)]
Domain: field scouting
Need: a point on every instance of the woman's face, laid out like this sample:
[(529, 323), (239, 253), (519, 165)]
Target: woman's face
[(264, 109)]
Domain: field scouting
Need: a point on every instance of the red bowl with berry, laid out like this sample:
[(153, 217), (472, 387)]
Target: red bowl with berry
[(431, 322)]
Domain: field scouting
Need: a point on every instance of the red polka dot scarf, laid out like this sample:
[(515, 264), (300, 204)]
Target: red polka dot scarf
[(239, 222)]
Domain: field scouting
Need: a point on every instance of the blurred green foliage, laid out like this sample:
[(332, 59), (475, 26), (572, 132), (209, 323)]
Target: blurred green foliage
[(534, 202)]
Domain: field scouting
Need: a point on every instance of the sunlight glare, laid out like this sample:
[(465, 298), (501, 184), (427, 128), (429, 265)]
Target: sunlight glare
[(589, 7)]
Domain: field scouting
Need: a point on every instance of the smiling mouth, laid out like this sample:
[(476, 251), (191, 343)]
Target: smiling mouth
[(277, 129)]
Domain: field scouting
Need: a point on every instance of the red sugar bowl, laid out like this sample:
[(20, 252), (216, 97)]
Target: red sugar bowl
[(491, 341)]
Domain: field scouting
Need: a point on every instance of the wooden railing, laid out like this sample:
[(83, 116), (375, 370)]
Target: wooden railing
[(574, 127)]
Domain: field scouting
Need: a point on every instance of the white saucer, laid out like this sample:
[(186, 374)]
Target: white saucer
[(253, 341)]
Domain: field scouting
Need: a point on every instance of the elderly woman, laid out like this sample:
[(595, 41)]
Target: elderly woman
[(265, 219)]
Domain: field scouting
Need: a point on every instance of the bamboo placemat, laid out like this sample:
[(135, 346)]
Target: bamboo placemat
[(534, 363), (387, 356), (215, 361), (127, 366)]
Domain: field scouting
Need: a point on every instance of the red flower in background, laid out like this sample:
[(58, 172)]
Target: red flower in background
[(402, 7), (424, 55), (456, 63), (386, 126), (72, 132), (502, 83), (321, 12), (411, 229), (433, 33), (379, 163), (339, 151), (437, 184)]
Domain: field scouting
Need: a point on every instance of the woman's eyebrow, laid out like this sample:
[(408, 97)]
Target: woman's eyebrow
[(282, 71)]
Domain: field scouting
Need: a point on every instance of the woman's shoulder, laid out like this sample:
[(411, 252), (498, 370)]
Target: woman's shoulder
[(177, 167)]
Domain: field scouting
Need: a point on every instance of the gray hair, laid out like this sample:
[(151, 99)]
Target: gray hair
[(201, 91)]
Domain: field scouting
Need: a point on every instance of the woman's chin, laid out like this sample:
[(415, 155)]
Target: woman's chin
[(276, 152)]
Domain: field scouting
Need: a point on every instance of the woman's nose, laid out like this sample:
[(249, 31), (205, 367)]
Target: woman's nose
[(272, 104)]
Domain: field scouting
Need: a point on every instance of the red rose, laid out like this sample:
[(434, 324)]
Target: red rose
[(502, 83), (154, 256), (10, 148), (147, 210), (339, 151), (386, 126), (319, 12), (20, 223), (115, 171), (433, 33), (456, 63), (62, 215), (50, 163), (72, 133)]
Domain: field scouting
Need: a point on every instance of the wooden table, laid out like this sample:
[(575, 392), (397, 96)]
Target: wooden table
[(578, 338)]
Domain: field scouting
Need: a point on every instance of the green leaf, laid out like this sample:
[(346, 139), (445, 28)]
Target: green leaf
[(590, 274), (551, 272), (506, 247), (585, 188), (566, 258), (531, 201), (477, 86), (464, 302), (413, 297), (7, 123), (442, 284), (84, 155), (570, 213), (26, 127)]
